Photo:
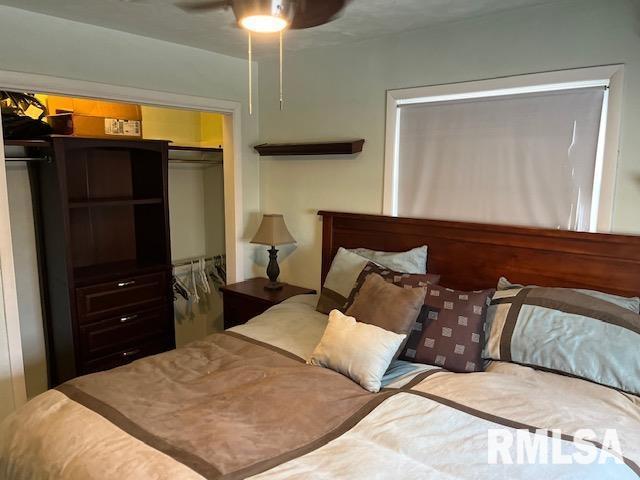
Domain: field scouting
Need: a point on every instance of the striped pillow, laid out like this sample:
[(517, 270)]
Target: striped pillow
[(566, 331)]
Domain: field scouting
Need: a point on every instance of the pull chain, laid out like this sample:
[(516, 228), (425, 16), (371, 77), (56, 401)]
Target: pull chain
[(250, 76), (281, 61)]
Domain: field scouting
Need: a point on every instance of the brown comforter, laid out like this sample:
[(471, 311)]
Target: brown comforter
[(232, 407)]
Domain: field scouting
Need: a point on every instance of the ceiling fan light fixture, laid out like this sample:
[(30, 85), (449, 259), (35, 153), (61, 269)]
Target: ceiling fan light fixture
[(264, 23)]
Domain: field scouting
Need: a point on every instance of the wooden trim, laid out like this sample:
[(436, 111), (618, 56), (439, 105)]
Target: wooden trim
[(472, 256), (317, 148)]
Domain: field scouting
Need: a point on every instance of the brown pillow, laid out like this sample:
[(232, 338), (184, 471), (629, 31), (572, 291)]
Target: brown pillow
[(405, 280), (387, 306), (451, 334)]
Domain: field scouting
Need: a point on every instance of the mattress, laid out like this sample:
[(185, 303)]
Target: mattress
[(244, 404)]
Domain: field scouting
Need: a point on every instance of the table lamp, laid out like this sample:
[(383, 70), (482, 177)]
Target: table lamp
[(273, 231)]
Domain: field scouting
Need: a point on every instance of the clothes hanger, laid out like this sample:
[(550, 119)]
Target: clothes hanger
[(203, 277), (196, 298)]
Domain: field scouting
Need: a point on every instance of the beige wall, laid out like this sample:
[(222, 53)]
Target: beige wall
[(334, 93)]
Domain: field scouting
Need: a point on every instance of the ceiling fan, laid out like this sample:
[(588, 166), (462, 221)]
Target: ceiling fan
[(271, 16)]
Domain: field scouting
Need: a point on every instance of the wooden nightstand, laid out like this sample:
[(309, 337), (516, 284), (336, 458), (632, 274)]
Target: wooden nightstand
[(245, 300)]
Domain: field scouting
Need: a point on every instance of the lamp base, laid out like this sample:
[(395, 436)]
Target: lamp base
[(273, 286), (273, 271)]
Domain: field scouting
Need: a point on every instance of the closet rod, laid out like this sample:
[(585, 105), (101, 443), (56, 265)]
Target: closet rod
[(187, 261)]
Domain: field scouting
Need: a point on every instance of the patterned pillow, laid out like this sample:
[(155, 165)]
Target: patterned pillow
[(451, 334), (406, 280), (566, 331)]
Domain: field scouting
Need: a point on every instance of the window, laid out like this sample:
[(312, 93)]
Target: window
[(528, 155)]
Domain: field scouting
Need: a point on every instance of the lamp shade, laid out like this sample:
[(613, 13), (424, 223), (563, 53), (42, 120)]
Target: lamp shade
[(273, 231)]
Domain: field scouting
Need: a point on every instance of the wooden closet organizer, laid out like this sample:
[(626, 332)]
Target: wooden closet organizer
[(105, 233)]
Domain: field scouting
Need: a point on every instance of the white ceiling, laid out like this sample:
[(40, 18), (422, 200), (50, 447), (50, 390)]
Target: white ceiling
[(216, 30)]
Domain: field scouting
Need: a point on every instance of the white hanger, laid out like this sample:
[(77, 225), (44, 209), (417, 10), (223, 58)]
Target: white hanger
[(203, 276), (196, 298)]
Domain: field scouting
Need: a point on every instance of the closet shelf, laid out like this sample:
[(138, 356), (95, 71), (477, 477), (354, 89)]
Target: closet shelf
[(184, 148), (202, 156), (114, 202), (345, 147)]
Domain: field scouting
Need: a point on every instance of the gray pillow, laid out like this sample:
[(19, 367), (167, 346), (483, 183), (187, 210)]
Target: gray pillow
[(630, 303), (411, 261)]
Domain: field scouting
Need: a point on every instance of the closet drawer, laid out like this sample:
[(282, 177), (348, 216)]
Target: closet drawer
[(128, 294), (128, 355), (99, 339)]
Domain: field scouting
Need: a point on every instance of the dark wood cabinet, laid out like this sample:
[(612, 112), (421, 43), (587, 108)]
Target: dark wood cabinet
[(105, 236), (245, 300)]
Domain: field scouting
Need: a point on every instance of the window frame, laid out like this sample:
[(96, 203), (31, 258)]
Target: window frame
[(610, 76)]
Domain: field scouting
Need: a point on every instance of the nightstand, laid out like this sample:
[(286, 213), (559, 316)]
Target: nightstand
[(245, 300)]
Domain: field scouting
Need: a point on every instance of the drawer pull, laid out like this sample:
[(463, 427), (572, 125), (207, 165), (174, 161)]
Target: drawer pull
[(129, 353), (126, 284), (127, 318)]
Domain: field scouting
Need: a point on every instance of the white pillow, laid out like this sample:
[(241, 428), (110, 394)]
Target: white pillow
[(358, 350)]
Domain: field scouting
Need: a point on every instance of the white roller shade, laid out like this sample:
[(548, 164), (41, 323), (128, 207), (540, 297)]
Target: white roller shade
[(525, 159)]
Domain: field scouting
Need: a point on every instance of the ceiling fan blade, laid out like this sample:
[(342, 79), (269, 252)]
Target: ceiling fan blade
[(311, 13), (203, 6)]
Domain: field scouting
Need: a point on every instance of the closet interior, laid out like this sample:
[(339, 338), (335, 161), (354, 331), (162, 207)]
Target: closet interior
[(118, 234)]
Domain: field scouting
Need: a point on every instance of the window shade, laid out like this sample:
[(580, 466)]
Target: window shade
[(525, 159)]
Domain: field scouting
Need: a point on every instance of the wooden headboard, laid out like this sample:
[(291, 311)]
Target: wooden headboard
[(472, 256)]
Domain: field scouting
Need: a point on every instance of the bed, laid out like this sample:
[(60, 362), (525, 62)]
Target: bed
[(243, 403)]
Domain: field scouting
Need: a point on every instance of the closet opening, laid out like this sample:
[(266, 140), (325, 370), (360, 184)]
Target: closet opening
[(117, 216)]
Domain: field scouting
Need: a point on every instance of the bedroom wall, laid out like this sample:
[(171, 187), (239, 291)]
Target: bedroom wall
[(334, 93), (41, 44)]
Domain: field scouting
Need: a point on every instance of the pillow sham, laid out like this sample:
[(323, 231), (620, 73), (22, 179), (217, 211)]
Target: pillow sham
[(450, 331), (411, 261), (630, 303), (386, 305), (341, 279), (566, 331), (358, 350), (342, 276)]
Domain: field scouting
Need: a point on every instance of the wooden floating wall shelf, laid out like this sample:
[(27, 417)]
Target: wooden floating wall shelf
[(347, 147)]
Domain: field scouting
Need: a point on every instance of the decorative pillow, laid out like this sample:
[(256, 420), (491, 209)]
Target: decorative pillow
[(405, 280), (411, 261), (342, 276), (630, 303), (341, 279), (451, 334), (358, 350), (386, 305), (566, 331)]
